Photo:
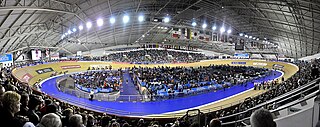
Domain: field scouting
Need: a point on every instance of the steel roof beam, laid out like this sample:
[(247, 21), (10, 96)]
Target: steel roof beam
[(276, 21), (13, 8), (279, 11), (278, 29), (129, 39)]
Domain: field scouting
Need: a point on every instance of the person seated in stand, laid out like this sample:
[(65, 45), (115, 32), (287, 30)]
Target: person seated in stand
[(215, 123), (91, 95), (262, 118), (76, 121), (11, 106), (255, 86), (50, 120)]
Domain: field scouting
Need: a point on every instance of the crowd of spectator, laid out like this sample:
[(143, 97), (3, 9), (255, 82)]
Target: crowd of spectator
[(99, 79), (21, 106), (180, 78), (308, 71), (150, 56)]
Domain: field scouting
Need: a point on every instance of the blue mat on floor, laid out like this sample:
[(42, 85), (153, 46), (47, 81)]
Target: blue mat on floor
[(148, 108)]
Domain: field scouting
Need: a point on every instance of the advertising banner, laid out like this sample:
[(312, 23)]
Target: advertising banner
[(241, 55), (70, 66), (277, 66), (26, 77), (6, 58), (44, 70), (239, 45), (36, 54), (259, 64), (238, 62), (79, 53)]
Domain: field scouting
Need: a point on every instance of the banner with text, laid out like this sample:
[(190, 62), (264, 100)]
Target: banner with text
[(70, 66), (6, 58), (44, 70)]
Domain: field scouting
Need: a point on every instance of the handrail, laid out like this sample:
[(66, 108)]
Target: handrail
[(120, 111), (308, 89), (275, 99), (84, 105), (316, 93), (219, 107), (297, 89), (268, 102)]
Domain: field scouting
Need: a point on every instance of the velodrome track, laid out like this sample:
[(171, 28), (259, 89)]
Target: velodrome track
[(30, 76)]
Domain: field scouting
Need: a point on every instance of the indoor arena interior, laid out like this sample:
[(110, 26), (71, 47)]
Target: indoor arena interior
[(160, 63)]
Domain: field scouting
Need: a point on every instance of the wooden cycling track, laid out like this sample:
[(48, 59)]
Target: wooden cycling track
[(29, 75)]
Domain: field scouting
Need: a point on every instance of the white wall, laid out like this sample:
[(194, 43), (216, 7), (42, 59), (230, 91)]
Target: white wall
[(102, 51), (300, 119), (95, 52), (211, 53), (303, 118), (22, 57), (308, 58)]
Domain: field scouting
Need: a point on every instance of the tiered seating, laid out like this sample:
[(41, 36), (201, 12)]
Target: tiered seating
[(163, 81), (150, 56)]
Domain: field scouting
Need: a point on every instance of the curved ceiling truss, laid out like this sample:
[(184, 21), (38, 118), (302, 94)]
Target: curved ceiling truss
[(292, 24)]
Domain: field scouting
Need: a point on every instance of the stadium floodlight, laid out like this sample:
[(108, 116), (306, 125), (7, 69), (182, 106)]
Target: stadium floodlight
[(204, 25), (166, 19), (125, 19), (80, 27), (69, 32), (89, 25), (141, 18), (194, 24), (250, 37), (241, 34), (229, 31), (100, 22), (74, 29), (112, 20), (214, 28), (222, 30)]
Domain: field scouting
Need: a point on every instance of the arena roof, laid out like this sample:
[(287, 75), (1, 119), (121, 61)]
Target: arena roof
[(292, 25)]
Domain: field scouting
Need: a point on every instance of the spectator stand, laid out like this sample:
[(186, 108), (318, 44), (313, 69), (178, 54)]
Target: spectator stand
[(85, 67)]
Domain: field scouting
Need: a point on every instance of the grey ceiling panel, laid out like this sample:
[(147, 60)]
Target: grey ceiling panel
[(294, 25)]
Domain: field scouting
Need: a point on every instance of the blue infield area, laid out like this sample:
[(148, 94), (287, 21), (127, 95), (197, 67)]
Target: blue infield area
[(148, 108)]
